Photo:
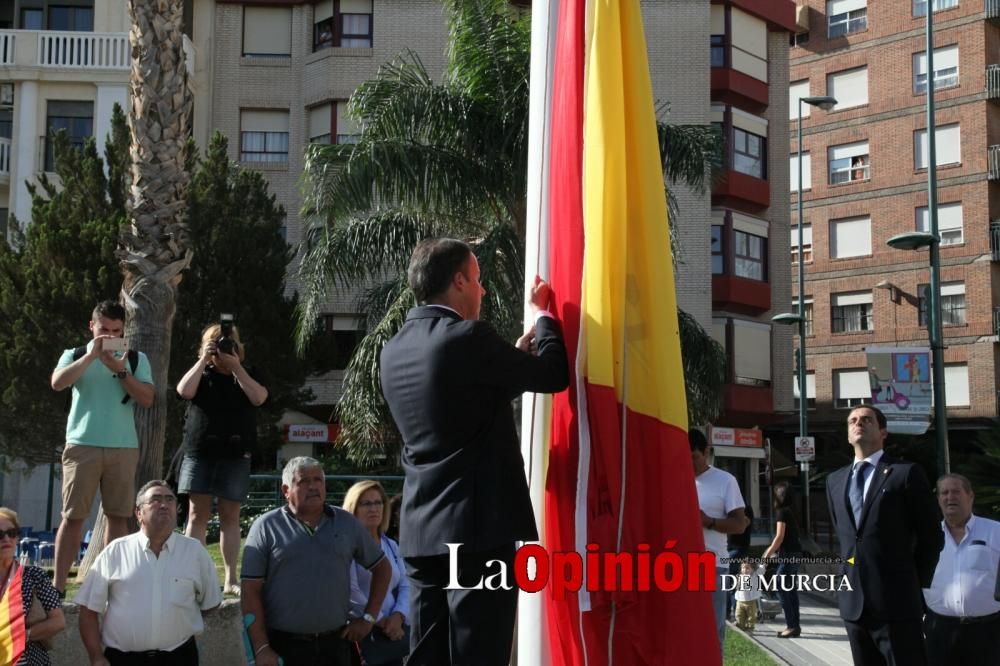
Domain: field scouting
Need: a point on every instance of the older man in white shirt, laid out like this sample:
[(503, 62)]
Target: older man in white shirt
[(963, 619), (151, 587)]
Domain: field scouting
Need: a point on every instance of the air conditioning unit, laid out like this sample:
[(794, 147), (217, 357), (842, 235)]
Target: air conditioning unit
[(7, 94)]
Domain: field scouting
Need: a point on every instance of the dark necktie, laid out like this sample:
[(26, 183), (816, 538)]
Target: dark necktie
[(857, 491)]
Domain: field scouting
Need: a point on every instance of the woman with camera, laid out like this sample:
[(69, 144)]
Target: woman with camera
[(220, 432)]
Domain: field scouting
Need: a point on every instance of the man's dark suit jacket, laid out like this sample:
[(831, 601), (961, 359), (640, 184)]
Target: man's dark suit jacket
[(449, 384), (896, 547)]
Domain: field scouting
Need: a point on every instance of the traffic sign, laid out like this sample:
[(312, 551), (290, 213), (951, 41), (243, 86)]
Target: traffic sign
[(805, 449)]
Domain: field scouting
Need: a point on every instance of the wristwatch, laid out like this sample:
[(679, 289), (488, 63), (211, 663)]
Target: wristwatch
[(367, 617), (121, 374)]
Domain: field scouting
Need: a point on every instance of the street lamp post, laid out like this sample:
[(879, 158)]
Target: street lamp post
[(826, 103), (932, 240)]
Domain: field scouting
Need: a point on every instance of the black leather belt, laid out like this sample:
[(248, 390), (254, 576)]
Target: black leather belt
[(320, 636), (152, 654), (969, 619)]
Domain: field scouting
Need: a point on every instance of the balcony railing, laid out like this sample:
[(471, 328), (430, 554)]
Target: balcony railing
[(4, 157), (995, 239), (6, 48), (992, 9), (993, 82), (84, 50), (993, 161), (996, 321), (65, 50)]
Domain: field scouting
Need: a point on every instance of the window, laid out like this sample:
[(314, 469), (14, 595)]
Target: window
[(851, 388), (952, 303), (849, 163), (751, 353), (956, 384), (751, 254), (793, 171), (807, 310), (849, 87), (945, 69), (796, 91), (343, 23), (810, 390), (264, 136), (80, 19), (320, 124), (718, 50), (749, 153), (267, 31), (851, 312), (718, 251), (920, 6), (6, 123), (343, 333), (851, 237), (798, 39), (845, 17), (949, 222), (947, 145), (77, 118), (348, 130), (807, 244), (31, 19)]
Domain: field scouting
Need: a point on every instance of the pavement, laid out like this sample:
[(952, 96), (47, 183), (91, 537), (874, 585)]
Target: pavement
[(823, 641)]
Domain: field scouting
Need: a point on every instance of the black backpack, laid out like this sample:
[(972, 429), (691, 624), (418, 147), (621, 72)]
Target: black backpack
[(80, 352)]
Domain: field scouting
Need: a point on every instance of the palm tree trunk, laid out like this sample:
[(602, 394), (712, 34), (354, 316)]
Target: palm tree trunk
[(153, 248)]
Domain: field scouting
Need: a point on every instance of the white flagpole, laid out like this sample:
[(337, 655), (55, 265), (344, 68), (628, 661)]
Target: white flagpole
[(532, 643)]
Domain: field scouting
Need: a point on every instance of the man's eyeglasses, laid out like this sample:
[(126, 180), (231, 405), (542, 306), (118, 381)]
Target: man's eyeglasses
[(371, 505), (12, 533), (161, 499)]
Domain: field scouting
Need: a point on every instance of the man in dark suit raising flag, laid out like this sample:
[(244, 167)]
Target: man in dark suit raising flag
[(449, 380)]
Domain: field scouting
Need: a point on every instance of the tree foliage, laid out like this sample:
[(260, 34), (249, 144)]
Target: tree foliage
[(50, 280), (449, 158), (65, 263)]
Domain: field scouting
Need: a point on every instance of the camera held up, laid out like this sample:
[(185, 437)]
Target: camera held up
[(225, 343)]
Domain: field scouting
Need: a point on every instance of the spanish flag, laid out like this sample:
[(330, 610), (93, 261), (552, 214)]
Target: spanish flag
[(618, 469), (12, 629)]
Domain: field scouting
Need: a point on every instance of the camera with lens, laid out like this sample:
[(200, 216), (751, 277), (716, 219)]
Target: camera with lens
[(225, 343)]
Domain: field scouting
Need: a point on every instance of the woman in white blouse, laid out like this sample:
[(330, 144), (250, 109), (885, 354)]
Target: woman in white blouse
[(389, 642)]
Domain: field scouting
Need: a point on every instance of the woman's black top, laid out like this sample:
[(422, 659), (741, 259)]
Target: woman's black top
[(791, 543), (221, 421)]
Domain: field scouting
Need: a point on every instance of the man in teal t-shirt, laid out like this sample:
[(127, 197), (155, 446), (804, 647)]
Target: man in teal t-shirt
[(102, 449)]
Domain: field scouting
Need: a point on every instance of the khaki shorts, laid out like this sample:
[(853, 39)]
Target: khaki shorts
[(87, 467)]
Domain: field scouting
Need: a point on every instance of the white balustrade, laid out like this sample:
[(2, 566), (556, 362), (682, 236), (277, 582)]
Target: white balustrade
[(83, 50)]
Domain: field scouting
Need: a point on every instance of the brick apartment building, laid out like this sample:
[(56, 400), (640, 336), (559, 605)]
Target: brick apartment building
[(865, 180)]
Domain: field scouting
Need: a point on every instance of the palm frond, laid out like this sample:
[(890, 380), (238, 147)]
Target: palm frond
[(690, 154), (704, 370)]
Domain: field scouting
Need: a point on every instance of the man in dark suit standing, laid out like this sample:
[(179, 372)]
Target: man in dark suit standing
[(886, 522), (449, 380)]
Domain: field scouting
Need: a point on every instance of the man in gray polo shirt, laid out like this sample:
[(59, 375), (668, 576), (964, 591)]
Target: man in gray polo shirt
[(296, 575)]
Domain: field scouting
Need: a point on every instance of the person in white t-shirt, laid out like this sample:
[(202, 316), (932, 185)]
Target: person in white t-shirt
[(722, 513)]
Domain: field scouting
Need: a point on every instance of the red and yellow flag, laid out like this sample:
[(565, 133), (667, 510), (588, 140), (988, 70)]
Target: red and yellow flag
[(619, 469), (12, 629)]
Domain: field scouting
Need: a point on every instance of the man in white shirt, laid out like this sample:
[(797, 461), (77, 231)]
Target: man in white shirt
[(722, 513), (963, 619), (151, 587)]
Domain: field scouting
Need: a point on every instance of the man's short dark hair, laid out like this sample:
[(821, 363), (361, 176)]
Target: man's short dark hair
[(696, 438), (109, 310), (879, 416), (433, 264)]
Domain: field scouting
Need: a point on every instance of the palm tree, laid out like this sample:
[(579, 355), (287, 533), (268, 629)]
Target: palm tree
[(449, 158), (154, 247)]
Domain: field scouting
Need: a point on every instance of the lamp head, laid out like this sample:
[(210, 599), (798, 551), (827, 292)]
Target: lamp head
[(824, 102), (913, 240)]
